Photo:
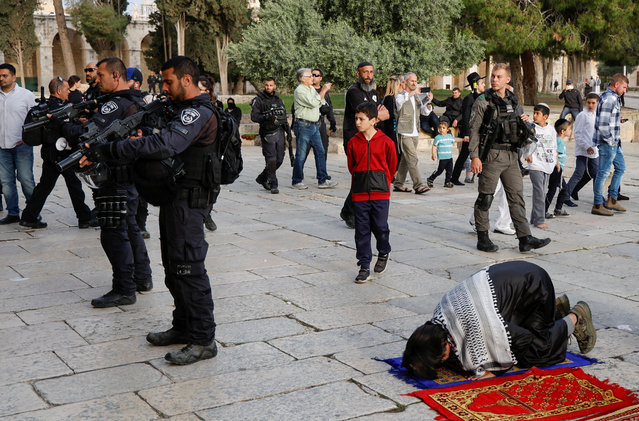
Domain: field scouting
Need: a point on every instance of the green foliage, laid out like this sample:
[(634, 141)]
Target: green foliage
[(335, 35), (17, 36), (103, 27)]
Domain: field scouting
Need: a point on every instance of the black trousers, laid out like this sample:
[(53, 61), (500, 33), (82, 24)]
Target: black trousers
[(124, 246), (273, 149), (371, 216), (461, 160), (555, 181), (183, 253), (44, 188), (444, 165), (526, 300)]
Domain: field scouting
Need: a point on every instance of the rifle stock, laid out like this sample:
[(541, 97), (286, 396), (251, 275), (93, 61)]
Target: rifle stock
[(486, 133)]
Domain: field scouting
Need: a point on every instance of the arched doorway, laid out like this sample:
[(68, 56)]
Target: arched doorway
[(59, 68), (144, 46)]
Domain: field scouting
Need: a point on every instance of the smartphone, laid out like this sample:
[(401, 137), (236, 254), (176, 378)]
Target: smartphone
[(425, 89)]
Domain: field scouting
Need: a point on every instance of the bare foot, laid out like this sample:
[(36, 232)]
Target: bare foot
[(542, 226)]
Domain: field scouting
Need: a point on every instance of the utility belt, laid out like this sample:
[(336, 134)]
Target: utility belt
[(121, 174), (198, 197), (504, 147)]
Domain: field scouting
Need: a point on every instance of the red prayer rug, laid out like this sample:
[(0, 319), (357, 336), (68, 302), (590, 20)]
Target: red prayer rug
[(551, 395), (630, 413)]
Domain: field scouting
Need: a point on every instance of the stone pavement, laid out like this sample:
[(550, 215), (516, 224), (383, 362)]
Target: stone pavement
[(296, 334)]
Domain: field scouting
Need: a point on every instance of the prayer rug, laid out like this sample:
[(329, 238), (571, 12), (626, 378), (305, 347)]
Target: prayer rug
[(630, 413), (447, 377), (549, 395)]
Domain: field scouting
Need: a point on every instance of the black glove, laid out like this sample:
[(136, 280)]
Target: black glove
[(101, 153)]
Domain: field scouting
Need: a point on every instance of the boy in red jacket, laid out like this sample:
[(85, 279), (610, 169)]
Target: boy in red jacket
[(372, 161)]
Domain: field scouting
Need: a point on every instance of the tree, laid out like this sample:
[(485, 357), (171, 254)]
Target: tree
[(178, 13), (67, 53), (223, 20), (293, 33), (103, 26), (17, 38)]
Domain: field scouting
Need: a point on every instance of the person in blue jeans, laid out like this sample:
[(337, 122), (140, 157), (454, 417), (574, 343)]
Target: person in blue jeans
[(307, 115), (607, 137)]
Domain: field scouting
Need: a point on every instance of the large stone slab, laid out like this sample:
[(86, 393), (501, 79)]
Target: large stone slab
[(10, 320), (272, 285), (303, 405), (42, 337), (20, 287), (362, 359), (100, 383), (338, 295), (18, 398), (417, 411), (351, 315), (33, 302), (224, 389), (64, 312), (333, 341), (234, 309), (258, 330), (389, 386), (625, 374), (123, 407), (30, 367)]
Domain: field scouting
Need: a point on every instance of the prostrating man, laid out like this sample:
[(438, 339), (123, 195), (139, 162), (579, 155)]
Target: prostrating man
[(477, 86), (409, 107), (267, 109), (453, 104), (59, 90), (307, 114), (607, 137), (501, 160), (191, 135), (120, 238), (364, 90), (16, 158)]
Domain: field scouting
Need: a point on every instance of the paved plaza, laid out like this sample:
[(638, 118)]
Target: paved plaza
[(296, 335)]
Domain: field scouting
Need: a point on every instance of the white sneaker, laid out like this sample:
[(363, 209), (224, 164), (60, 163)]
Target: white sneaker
[(300, 186), (328, 184), (505, 231)]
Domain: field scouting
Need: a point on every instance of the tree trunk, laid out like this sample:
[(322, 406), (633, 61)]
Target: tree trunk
[(515, 72), (238, 88), (576, 70), (221, 42), (65, 45), (166, 57), (18, 50), (180, 29), (530, 78), (547, 65)]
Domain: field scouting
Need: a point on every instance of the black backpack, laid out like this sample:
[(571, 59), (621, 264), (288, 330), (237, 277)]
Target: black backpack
[(229, 148)]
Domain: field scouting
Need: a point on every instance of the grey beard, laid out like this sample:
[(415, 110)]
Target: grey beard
[(367, 87)]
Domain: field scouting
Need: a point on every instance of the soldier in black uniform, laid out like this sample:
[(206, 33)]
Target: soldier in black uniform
[(59, 90), (91, 75), (190, 135), (268, 110), (502, 160), (121, 239)]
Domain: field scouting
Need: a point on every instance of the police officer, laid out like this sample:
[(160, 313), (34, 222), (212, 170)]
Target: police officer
[(268, 110), (59, 90), (120, 238), (190, 135), (91, 75), (502, 161)]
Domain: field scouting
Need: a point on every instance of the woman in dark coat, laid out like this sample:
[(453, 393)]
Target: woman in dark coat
[(503, 315)]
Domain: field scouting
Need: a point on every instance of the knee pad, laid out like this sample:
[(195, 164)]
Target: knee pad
[(484, 201)]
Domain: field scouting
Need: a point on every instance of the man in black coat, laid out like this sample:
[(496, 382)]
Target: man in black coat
[(453, 106)]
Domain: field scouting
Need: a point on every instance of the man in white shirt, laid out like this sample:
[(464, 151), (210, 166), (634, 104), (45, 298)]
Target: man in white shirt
[(409, 109), (586, 151), (15, 156)]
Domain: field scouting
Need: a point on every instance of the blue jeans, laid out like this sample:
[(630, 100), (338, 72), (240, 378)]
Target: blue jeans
[(307, 134), (571, 111), (16, 160), (608, 155)]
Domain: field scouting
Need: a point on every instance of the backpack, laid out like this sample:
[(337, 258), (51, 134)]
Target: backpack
[(229, 148)]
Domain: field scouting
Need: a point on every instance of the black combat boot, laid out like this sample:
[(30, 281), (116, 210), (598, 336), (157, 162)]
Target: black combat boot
[(484, 243), (529, 242)]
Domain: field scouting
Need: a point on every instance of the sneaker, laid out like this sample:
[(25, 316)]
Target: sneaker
[(300, 186), (561, 212), (570, 203), (429, 182), (562, 305), (505, 231), (33, 225), (275, 190), (328, 184), (265, 184), (382, 262), (113, 299), (469, 180), (549, 215), (363, 276), (584, 329), (458, 183), (209, 223), (192, 353), (168, 337)]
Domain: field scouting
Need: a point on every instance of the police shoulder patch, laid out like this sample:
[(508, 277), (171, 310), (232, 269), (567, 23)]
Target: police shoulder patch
[(189, 116), (109, 107)]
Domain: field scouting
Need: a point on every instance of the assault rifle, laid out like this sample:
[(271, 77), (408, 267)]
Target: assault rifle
[(487, 133), (39, 113), (117, 130)]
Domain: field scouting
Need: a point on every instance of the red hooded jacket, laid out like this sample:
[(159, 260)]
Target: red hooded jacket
[(372, 165)]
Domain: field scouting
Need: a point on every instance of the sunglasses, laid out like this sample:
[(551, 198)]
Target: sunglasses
[(316, 75), (90, 69)]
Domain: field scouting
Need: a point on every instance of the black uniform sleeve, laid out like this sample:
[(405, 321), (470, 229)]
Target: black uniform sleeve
[(256, 110), (439, 103), (330, 116)]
